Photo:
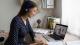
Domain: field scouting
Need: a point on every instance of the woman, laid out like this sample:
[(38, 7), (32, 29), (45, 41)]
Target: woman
[(20, 27)]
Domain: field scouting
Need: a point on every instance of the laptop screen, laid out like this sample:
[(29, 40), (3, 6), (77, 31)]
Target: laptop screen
[(60, 30)]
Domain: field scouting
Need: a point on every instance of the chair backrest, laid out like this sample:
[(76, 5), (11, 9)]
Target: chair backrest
[(60, 30), (1, 39)]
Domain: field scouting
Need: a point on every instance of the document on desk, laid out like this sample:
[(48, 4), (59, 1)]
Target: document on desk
[(42, 31), (55, 43)]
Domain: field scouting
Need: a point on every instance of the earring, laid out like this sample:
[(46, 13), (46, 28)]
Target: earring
[(26, 9)]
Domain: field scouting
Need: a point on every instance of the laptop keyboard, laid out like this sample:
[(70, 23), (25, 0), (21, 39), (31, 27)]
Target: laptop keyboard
[(56, 37), (48, 38)]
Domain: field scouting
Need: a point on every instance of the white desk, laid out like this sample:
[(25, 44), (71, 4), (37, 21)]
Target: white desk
[(69, 39), (46, 31), (49, 43)]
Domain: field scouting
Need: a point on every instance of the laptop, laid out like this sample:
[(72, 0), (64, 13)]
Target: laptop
[(58, 33)]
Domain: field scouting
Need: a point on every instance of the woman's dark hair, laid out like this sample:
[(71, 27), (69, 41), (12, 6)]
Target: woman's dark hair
[(26, 6)]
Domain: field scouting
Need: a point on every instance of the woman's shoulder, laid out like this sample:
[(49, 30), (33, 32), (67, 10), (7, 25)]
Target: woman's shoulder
[(16, 19)]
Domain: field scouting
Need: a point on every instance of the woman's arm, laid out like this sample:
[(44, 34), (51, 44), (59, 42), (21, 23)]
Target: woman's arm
[(31, 32), (14, 33)]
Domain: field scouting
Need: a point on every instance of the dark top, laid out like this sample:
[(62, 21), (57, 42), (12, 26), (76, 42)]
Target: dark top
[(18, 31)]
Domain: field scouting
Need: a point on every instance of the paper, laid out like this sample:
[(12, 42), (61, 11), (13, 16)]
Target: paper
[(42, 31), (55, 43)]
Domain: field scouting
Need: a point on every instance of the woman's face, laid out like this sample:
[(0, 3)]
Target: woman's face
[(33, 11)]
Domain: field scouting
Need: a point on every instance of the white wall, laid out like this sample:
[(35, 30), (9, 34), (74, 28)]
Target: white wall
[(58, 8), (8, 9), (42, 15), (71, 15)]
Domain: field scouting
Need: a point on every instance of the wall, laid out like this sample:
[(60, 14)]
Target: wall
[(43, 13), (71, 15), (8, 9), (58, 8)]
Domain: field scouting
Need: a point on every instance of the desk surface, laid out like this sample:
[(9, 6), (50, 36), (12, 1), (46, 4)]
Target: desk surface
[(39, 36), (49, 43), (68, 38)]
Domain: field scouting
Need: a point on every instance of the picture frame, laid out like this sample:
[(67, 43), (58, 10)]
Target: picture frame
[(47, 3)]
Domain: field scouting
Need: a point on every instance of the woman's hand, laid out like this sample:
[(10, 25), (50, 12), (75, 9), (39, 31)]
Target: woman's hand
[(33, 44), (38, 44), (38, 41)]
